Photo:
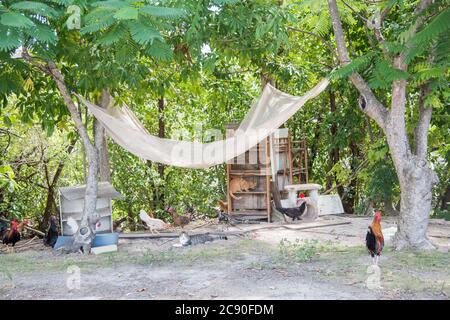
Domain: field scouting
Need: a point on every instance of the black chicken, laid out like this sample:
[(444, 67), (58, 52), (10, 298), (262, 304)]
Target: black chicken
[(3, 228), (294, 213), (3, 224), (52, 233)]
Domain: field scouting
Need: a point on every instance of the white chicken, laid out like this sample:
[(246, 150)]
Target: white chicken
[(153, 224)]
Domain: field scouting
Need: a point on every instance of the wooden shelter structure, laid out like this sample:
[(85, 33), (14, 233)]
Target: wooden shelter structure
[(253, 165), (272, 161)]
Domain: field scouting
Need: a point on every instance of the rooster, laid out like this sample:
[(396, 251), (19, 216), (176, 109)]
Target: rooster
[(374, 238), (178, 221), (12, 235), (296, 212)]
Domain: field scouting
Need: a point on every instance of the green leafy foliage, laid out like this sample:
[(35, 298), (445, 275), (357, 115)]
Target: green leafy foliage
[(358, 64), (160, 50), (7, 178), (17, 20), (35, 7), (432, 31), (168, 13), (144, 34)]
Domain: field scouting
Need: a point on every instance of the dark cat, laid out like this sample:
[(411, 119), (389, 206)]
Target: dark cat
[(187, 240)]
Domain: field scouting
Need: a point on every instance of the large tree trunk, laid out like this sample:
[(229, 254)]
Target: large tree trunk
[(416, 185), (415, 177), (83, 238)]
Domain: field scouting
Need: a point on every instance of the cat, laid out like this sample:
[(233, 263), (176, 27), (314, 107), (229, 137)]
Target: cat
[(240, 184), (187, 240)]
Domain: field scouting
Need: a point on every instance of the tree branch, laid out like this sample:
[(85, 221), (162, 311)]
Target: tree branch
[(354, 11), (373, 108), (324, 41), (51, 69)]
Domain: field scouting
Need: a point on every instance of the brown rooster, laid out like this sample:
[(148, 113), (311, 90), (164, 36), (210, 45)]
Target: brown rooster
[(12, 235), (374, 238), (178, 221)]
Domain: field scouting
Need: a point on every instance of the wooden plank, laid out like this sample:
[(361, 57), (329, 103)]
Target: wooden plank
[(143, 235), (249, 212), (299, 227), (229, 202), (291, 163), (275, 194), (250, 192), (318, 226)]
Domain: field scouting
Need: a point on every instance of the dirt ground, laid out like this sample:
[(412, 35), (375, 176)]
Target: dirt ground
[(265, 261)]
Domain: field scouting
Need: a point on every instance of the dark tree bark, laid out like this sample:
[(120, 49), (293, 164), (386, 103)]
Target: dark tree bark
[(445, 199), (51, 185), (334, 155)]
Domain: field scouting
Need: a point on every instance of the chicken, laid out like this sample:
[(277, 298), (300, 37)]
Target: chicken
[(294, 213), (374, 238), (178, 221), (223, 205), (12, 235), (153, 224), (3, 228), (52, 233)]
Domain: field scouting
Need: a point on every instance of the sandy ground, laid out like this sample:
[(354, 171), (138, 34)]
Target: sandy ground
[(250, 266)]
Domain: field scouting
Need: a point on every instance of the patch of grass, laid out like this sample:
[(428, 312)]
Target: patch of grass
[(46, 262), (33, 262), (407, 271), (303, 250)]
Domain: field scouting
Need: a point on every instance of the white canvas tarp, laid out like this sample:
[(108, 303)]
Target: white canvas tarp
[(268, 113)]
